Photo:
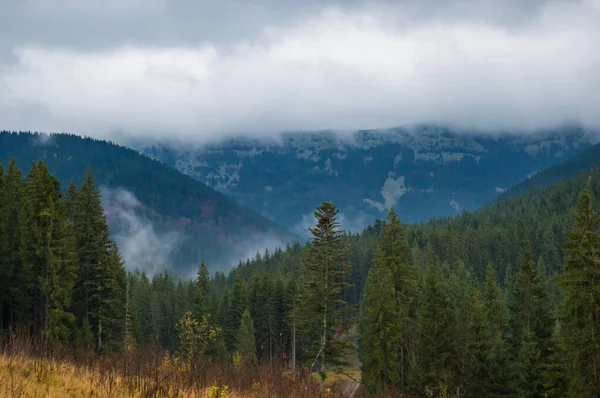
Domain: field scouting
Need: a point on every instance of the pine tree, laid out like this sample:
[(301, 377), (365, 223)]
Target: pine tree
[(5, 269), (47, 251), (237, 304), (100, 288), (280, 309), (493, 299), (203, 291), (580, 313), (532, 374), (245, 339), (325, 273), (71, 201), (460, 290), (393, 252), (14, 290), (530, 305), (479, 349), (499, 365), (531, 322), (557, 370), (438, 326), (380, 339)]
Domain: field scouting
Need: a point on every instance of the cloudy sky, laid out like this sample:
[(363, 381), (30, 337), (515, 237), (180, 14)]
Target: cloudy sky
[(193, 69)]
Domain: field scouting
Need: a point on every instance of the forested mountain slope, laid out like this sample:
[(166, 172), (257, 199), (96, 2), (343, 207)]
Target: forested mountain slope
[(158, 216), (492, 235), (582, 162)]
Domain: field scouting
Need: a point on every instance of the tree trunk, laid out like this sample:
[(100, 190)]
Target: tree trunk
[(402, 370), (270, 340), (294, 342), (324, 334)]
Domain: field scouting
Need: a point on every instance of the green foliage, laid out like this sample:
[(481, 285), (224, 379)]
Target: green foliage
[(380, 328), (203, 291), (457, 307), (580, 312), (236, 305), (557, 369), (245, 342), (195, 337), (100, 289), (438, 328), (325, 273), (389, 308), (14, 286), (209, 223)]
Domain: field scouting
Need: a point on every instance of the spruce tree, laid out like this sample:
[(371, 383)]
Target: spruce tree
[(393, 252), (438, 326), (530, 305), (557, 369), (531, 321), (14, 290), (100, 289), (5, 269), (479, 349), (499, 365), (71, 201), (245, 339), (202, 292), (325, 273), (379, 319), (48, 252), (580, 312), (236, 306), (494, 302)]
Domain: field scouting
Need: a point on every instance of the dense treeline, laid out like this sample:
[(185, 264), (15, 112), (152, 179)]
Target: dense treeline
[(62, 277), (501, 303)]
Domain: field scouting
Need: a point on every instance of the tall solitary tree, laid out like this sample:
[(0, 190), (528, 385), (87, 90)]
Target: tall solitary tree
[(325, 273)]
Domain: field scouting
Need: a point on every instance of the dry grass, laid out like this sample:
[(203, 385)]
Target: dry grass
[(143, 374)]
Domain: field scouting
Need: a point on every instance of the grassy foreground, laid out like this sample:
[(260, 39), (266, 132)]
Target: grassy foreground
[(145, 374)]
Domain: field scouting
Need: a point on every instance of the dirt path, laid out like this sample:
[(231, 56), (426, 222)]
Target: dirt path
[(351, 389)]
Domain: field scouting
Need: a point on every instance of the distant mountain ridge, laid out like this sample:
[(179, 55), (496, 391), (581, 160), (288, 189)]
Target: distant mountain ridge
[(426, 171), (160, 217), (585, 161)]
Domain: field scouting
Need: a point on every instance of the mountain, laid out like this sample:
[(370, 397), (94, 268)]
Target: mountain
[(491, 235), (159, 217), (424, 172), (585, 161)]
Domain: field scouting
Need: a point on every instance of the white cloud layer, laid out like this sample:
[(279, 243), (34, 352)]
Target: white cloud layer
[(477, 64)]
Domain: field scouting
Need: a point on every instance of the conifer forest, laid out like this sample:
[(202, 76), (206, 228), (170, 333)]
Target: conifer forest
[(502, 302)]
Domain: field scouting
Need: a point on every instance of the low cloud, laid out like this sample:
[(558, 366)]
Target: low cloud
[(472, 64), (245, 251), (140, 244)]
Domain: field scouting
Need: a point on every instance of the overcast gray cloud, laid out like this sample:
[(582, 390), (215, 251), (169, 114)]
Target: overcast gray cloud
[(192, 69)]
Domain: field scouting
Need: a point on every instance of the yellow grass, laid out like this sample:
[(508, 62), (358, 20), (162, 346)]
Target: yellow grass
[(28, 377)]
